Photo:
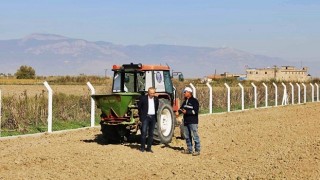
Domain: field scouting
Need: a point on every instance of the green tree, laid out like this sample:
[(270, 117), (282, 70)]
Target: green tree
[(25, 72)]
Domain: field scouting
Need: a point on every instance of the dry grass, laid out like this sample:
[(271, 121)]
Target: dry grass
[(9, 90), (11, 81)]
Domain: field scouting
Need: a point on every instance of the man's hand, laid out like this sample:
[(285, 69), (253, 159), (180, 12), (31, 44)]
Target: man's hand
[(182, 110)]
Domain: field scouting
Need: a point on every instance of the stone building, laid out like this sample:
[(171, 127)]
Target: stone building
[(212, 77), (284, 73)]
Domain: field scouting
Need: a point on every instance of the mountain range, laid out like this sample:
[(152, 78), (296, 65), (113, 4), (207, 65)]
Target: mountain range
[(51, 54)]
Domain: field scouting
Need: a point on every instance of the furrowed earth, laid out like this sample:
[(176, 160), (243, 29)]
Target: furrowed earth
[(265, 143)]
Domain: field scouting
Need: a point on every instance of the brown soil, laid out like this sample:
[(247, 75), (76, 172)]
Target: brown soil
[(273, 143)]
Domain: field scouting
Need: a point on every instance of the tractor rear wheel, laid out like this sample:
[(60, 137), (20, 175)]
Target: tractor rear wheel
[(164, 127)]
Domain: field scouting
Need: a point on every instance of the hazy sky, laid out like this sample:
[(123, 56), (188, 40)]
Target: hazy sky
[(289, 29)]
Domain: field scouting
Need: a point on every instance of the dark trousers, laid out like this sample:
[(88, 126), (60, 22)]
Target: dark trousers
[(148, 125)]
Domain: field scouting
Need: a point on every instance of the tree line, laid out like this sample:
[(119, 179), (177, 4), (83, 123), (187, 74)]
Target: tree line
[(24, 72)]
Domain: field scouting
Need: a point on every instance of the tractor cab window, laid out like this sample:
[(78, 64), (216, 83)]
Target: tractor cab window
[(117, 82), (128, 82), (162, 81), (141, 81), (167, 82)]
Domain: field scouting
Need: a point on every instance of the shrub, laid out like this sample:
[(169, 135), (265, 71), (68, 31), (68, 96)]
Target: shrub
[(25, 72)]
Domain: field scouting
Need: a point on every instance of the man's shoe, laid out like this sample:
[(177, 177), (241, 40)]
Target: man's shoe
[(149, 150), (141, 150), (196, 153), (186, 152)]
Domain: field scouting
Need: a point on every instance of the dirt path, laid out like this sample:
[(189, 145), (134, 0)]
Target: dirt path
[(271, 143)]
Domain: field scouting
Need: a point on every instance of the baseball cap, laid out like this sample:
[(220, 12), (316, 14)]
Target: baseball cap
[(187, 89)]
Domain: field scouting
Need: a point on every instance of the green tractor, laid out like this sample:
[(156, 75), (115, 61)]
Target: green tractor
[(120, 119)]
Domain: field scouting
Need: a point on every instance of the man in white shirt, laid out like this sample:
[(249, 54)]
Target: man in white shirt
[(148, 107)]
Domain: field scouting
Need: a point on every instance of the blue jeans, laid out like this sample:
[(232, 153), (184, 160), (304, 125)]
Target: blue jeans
[(191, 132), (148, 126)]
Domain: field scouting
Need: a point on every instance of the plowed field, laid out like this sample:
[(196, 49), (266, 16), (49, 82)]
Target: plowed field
[(272, 143)]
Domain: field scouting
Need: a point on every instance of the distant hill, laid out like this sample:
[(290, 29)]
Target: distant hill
[(58, 55)]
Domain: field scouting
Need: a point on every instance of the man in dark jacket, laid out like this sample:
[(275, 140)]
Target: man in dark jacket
[(148, 107), (190, 109)]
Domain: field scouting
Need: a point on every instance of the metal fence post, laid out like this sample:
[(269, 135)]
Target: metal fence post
[(299, 94), (49, 106), (210, 97), (317, 91), (92, 104), (242, 97), (255, 95), (266, 93), (312, 92), (292, 93), (276, 94), (228, 98), (304, 93), (285, 95), (194, 90)]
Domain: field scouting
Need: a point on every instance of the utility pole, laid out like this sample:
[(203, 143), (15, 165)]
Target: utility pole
[(105, 73), (275, 72)]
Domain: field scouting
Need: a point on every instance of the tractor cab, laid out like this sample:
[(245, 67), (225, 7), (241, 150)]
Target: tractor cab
[(130, 78)]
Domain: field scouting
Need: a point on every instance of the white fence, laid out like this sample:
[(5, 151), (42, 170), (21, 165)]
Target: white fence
[(50, 100), (314, 87), (285, 100)]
